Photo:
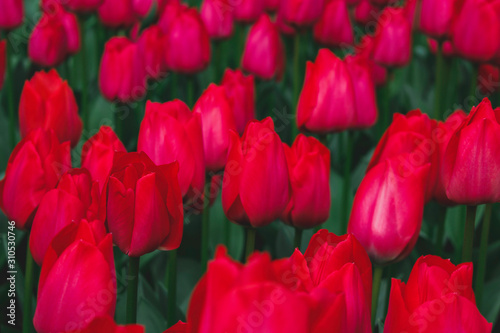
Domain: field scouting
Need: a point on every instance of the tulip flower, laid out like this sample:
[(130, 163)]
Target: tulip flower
[(248, 11), (272, 5), (69, 22), (365, 48), (143, 204), (217, 120), (217, 15), (309, 170), (256, 186), (81, 6), (186, 39), (388, 208), (393, 39), (488, 79), (437, 298), (240, 90), (114, 14), (447, 48), (264, 54), (106, 324), (34, 167), (170, 132), (436, 17), (150, 48), (334, 28), (366, 13), (74, 198), (48, 102), (470, 166), (12, 14), (3, 61), (179, 327), (301, 13), (78, 280)]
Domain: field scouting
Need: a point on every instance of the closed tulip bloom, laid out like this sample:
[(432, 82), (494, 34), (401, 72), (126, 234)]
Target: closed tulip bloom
[(488, 78), (77, 280), (218, 18), (48, 102), (171, 132), (309, 169), (256, 189), (12, 14), (114, 14), (248, 11), (34, 167), (471, 169), (217, 120), (264, 54), (74, 198), (106, 324), (272, 5), (447, 48), (366, 13), (435, 283), (48, 45), (240, 91), (327, 85), (144, 204), (150, 48), (436, 17), (365, 48), (334, 28), (388, 208), (301, 13), (393, 39), (3, 61), (69, 22), (186, 40)]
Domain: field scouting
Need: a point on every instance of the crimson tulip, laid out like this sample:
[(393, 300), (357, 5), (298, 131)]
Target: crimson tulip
[(217, 119), (143, 204), (388, 208), (150, 48), (488, 79), (12, 14), (119, 13), (78, 280), (33, 168), (240, 91), (74, 198), (272, 5), (309, 170), (48, 102), (301, 13), (69, 22), (470, 168), (3, 61), (365, 48), (436, 17), (334, 28), (366, 13), (447, 47), (98, 152), (255, 186), (248, 11), (264, 54), (437, 298), (217, 15), (106, 324), (170, 132)]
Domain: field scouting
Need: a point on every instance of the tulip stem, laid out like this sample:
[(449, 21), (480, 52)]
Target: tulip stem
[(483, 252), (377, 279), (383, 96), (296, 81), (440, 232), (227, 232), (133, 283), (473, 86), (346, 205), (298, 238), (205, 225), (190, 91), (440, 82), (85, 79), (470, 220), (28, 291), (172, 287), (10, 97), (250, 246)]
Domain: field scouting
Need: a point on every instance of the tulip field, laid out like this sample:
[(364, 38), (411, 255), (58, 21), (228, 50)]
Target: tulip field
[(250, 166)]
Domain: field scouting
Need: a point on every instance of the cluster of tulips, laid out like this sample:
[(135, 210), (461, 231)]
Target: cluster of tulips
[(77, 196)]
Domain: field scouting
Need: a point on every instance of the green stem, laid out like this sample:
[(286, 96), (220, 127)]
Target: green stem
[(298, 238), (440, 83), (190, 91), (85, 80), (174, 91), (250, 246), (172, 287), (377, 279), (227, 232), (132, 287), (10, 97), (205, 225), (473, 85), (28, 291), (346, 204), (441, 217), (469, 233), (296, 81), (384, 105), (483, 251), (119, 108)]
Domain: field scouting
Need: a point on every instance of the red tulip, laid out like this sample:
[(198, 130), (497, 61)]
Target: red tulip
[(106, 324), (144, 204), (366, 13), (180, 327), (3, 61), (48, 102), (150, 47), (471, 169), (122, 75), (74, 198), (78, 280), (264, 53), (186, 40), (437, 298), (248, 11), (388, 208), (217, 119), (365, 49), (240, 90), (119, 13), (301, 13), (170, 132), (447, 47), (309, 169), (217, 15), (272, 5), (436, 17), (327, 84), (12, 14), (98, 152), (255, 186), (34, 167), (82, 6), (488, 79), (334, 28), (392, 43)]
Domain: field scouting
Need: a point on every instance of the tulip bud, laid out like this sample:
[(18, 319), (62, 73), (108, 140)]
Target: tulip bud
[(240, 91), (365, 13), (123, 13), (334, 28), (48, 102), (365, 49), (309, 170), (248, 11), (447, 47), (217, 15), (3, 61), (264, 53), (301, 13), (436, 17), (150, 48), (34, 167), (144, 204), (435, 283), (106, 324), (77, 271), (12, 14), (256, 186)]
